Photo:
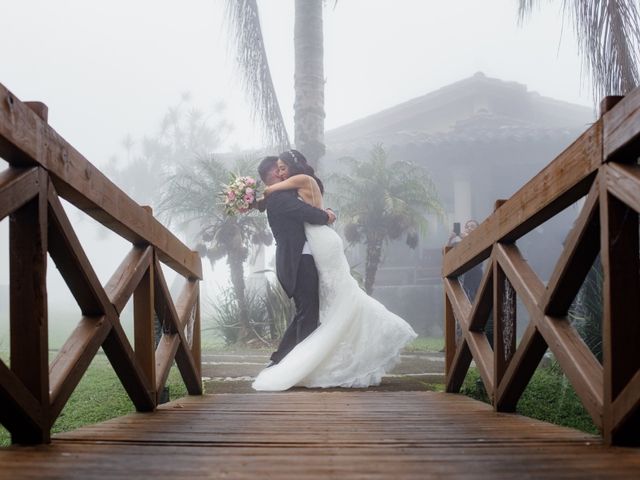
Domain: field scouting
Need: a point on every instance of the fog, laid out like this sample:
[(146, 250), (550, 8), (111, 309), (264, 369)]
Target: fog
[(111, 69)]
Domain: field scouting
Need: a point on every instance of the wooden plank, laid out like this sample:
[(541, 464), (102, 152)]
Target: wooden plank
[(17, 187), (520, 369), (580, 250), (621, 129), (26, 140), (73, 359), (306, 434), (74, 266), (123, 282), (28, 307), (524, 280), (196, 347), (623, 182), (167, 313), (621, 309), (558, 185)]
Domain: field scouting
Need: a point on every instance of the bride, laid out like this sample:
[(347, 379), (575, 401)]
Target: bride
[(358, 340)]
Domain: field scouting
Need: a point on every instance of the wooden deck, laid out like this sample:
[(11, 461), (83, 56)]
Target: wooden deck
[(309, 434)]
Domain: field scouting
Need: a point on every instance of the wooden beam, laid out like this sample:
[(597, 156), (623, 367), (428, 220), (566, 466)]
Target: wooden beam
[(123, 359), (483, 301), (167, 312), (623, 182), (576, 360), (459, 368), (557, 186), (449, 329), (73, 359), (580, 250), (621, 129), (621, 310), (504, 322), (144, 326), (476, 341), (19, 406), (165, 354), (123, 282), (73, 264), (27, 140), (28, 307), (627, 404), (17, 187), (520, 369)]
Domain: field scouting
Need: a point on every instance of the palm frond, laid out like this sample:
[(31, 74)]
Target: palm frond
[(243, 21)]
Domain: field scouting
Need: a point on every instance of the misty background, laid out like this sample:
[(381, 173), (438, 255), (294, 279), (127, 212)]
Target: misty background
[(110, 71)]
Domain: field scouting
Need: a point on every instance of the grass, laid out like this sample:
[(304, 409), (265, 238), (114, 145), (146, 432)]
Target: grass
[(98, 397), (426, 344), (548, 397)]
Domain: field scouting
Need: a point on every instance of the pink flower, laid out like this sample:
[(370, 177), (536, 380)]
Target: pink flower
[(248, 198), (249, 191), (231, 195)]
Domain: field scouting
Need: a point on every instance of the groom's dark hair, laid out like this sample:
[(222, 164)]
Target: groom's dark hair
[(266, 164)]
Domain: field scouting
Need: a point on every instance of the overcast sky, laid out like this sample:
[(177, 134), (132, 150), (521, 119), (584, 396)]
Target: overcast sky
[(111, 68), (107, 69)]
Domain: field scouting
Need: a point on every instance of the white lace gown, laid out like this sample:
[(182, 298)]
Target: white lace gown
[(357, 341)]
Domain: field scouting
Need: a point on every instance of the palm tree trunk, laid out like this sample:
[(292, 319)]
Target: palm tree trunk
[(309, 80), (374, 253), (236, 270)]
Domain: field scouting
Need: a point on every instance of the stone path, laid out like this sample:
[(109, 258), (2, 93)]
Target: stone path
[(233, 372)]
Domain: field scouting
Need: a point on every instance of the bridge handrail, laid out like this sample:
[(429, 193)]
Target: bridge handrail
[(42, 168), (601, 165)]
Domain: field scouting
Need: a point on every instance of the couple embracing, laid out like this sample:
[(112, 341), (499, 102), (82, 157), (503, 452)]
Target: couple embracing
[(339, 336)]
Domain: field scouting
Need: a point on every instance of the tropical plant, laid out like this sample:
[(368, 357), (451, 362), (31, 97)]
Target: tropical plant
[(608, 34), (246, 35), (191, 199), (382, 201), (586, 310)]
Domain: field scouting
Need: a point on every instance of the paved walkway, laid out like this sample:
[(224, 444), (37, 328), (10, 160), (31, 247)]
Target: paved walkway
[(233, 372)]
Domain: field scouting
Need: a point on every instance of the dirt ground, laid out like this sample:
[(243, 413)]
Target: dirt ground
[(233, 372)]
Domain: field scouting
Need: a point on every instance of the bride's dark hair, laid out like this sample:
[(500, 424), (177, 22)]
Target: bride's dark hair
[(297, 164)]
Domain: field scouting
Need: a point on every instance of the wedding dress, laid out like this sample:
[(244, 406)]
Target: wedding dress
[(357, 341)]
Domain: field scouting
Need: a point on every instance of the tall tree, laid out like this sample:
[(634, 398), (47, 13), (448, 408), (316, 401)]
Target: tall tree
[(383, 201), (309, 113), (608, 33), (244, 23)]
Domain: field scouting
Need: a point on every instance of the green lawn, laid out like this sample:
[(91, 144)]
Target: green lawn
[(99, 396), (548, 397)]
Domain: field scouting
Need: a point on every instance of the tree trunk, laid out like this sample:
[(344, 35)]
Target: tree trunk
[(309, 80), (374, 253), (236, 270)]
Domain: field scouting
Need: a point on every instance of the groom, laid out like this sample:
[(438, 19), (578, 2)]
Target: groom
[(295, 267)]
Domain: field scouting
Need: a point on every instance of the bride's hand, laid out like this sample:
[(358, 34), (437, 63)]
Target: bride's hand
[(267, 190)]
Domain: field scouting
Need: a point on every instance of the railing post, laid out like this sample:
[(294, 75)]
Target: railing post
[(28, 310), (449, 330), (621, 312)]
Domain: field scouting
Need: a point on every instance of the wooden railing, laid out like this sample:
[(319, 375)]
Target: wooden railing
[(602, 165), (42, 168)]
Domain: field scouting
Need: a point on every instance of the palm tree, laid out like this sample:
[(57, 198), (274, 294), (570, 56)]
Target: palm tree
[(384, 201), (244, 22), (190, 198), (608, 33)]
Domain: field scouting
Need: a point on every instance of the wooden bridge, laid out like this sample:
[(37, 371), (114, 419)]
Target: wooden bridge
[(313, 434)]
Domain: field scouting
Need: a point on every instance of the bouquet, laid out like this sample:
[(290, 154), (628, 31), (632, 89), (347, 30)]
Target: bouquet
[(240, 194)]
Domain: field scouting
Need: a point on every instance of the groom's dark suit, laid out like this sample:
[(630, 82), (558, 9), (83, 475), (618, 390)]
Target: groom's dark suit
[(296, 272)]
